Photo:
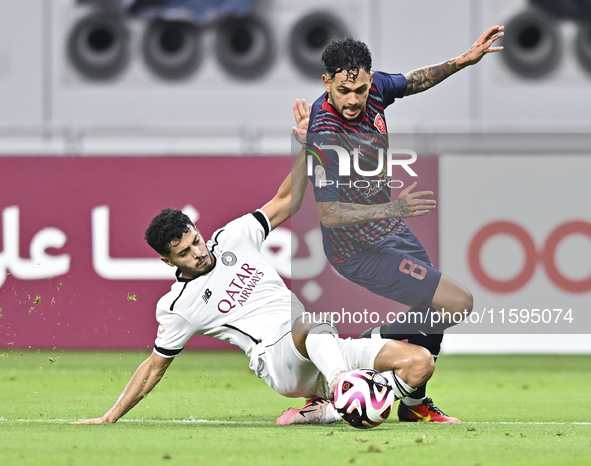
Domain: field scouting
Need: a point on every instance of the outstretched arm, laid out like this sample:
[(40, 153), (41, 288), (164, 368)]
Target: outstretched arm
[(288, 199), (425, 78), (141, 383), (407, 204)]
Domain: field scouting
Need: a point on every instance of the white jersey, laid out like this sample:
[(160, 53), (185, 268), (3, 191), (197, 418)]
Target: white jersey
[(239, 301)]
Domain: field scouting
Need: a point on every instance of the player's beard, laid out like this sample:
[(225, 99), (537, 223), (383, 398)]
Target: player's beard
[(205, 266), (341, 111)]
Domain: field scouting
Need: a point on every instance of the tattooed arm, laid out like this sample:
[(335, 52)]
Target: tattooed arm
[(425, 78), (408, 204)]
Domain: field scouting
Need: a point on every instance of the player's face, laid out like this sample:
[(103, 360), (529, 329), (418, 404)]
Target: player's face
[(190, 255), (348, 97)]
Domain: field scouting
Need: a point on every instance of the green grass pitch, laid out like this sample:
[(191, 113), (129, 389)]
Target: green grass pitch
[(210, 409)]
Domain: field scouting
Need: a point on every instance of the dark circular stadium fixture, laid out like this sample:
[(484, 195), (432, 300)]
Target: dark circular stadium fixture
[(577, 10), (244, 47), (309, 36), (172, 49), (533, 44), (98, 46), (583, 46)]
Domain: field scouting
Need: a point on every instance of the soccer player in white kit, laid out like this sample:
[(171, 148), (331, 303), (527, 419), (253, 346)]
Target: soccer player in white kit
[(225, 289)]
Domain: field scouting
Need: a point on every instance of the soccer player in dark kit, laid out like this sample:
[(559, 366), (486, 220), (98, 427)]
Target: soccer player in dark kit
[(364, 236)]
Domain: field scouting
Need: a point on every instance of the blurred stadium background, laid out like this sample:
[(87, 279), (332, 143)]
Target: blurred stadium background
[(113, 109)]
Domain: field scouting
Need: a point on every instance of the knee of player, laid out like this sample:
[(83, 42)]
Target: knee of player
[(467, 302), (302, 326), (463, 303), (417, 367), (423, 364)]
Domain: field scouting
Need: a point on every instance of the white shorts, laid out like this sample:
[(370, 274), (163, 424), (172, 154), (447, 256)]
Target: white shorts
[(285, 370)]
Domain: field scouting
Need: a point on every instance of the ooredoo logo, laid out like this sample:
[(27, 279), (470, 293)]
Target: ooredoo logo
[(546, 256), (319, 176)]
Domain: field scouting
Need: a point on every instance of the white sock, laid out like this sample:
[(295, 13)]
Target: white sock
[(324, 352), (401, 389), (408, 401), (331, 414)]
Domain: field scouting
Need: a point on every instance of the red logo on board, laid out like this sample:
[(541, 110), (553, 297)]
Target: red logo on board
[(379, 124)]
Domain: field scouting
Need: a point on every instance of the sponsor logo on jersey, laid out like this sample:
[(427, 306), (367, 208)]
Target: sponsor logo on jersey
[(240, 288), (379, 124), (319, 175), (229, 258), (161, 329), (206, 295)]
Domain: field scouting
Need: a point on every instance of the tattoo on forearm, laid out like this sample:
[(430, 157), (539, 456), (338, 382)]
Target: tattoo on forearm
[(339, 214), (425, 78)]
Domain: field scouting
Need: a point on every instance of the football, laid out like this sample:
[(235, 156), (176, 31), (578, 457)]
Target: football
[(364, 398)]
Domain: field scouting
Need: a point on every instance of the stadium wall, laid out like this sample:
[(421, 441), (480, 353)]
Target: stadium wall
[(49, 107)]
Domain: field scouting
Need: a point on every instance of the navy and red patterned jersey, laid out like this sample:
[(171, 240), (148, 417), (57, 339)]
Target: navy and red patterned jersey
[(365, 135)]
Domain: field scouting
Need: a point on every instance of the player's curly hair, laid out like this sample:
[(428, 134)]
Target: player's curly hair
[(167, 226), (346, 55)]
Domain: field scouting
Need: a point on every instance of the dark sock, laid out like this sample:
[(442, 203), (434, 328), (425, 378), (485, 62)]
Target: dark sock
[(419, 393), (430, 342), (433, 344)]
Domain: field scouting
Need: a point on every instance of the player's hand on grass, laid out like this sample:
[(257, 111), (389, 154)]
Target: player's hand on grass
[(483, 46), (301, 112), (98, 420), (409, 204)]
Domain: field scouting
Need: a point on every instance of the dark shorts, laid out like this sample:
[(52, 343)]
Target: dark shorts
[(396, 268)]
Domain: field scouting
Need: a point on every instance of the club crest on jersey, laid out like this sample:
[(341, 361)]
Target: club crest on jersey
[(379, 124), (229, 258)]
